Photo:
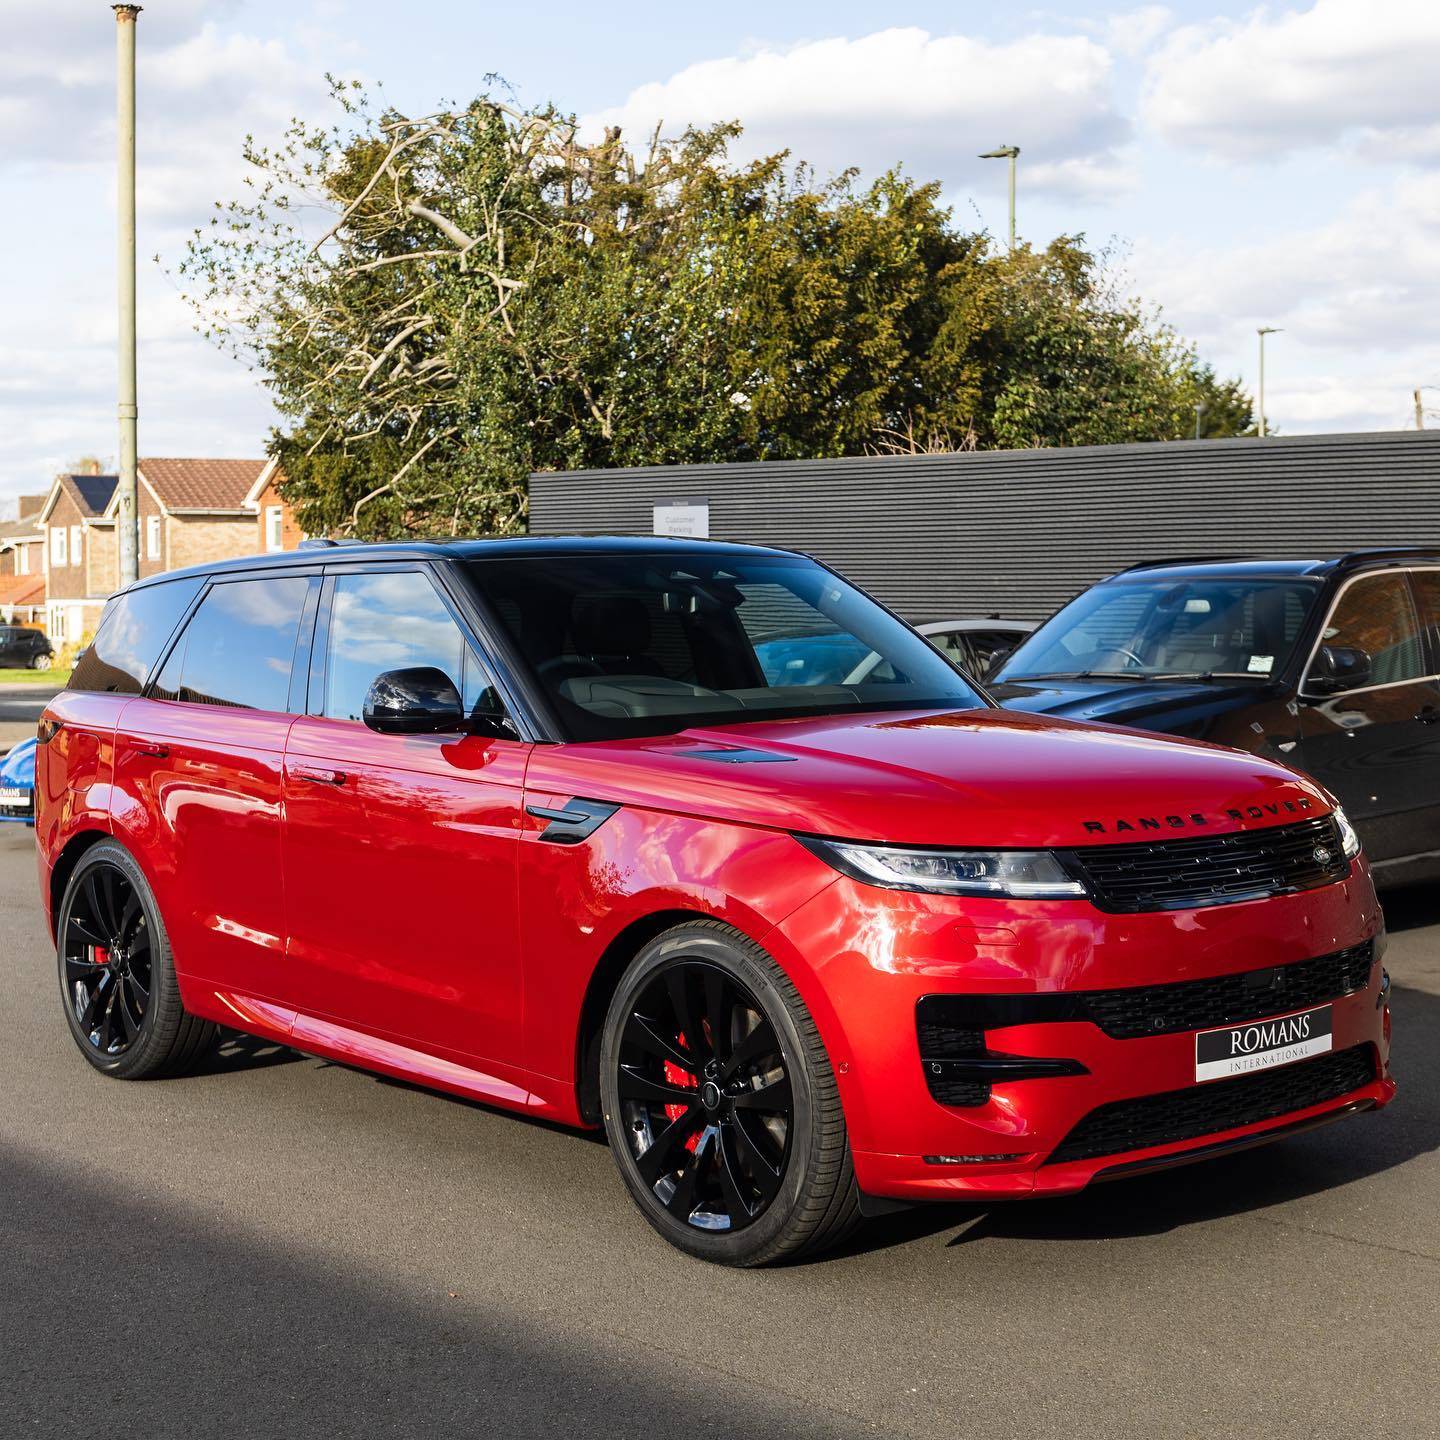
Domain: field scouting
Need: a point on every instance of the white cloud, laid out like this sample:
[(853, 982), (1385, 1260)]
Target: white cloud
[(904, 96), (1356, 298), (1364, 74), (1134, 32)]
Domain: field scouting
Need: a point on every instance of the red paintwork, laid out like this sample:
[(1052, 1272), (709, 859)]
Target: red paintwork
[(386, 901)]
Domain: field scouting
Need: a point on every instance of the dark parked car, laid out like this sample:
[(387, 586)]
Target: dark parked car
[(22, 649), (1330, 665)]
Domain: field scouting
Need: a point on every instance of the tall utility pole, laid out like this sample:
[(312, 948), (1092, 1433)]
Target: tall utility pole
[(1010, 153), (1419, 410), (128, 526), (1262, 332)]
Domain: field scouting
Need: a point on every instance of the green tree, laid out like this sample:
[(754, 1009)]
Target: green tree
[(487, 294)]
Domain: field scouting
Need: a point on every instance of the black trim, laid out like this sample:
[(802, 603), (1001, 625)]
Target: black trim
[(1231, 1147), (577, 821)]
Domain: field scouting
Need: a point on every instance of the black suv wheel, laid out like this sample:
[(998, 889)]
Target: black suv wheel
[(117, 979), (720, 1103)]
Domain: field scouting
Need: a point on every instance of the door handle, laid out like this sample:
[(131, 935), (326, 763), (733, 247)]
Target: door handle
[(318, 776), (153, 752), (1428, 715)]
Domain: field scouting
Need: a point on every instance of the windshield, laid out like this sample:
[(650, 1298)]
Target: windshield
[(1143, 629), (648, 644)]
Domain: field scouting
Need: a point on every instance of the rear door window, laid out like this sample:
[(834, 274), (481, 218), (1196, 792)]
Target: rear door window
[(239, 648), (133, 632), (1427, 590)]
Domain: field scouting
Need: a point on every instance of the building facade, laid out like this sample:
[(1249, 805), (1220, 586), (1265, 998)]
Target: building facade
[(943, 537), (190, 512)]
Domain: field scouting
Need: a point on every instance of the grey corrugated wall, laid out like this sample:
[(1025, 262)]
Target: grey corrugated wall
[(1020, 531)]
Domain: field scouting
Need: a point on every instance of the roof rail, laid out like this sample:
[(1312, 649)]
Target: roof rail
[(325, 542), (1181, 560), (1351, 558)]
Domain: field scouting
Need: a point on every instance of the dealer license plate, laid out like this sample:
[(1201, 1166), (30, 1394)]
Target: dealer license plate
[(1262, 1044), (10, 796)]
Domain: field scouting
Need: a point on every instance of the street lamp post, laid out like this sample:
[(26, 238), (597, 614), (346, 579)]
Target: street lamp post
[(128, 521), (1010, 153), (1262, 332)]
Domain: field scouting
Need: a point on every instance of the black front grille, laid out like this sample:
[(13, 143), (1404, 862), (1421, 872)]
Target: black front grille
[(1138, 1010), (1220, 1105), (1212, 869)]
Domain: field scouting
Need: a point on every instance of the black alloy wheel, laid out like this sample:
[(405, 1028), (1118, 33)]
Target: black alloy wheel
[(106, 958), (720, 1103), (117, 977), (704, 1096)]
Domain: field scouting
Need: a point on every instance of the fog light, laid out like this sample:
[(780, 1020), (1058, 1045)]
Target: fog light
[(967, 1159)]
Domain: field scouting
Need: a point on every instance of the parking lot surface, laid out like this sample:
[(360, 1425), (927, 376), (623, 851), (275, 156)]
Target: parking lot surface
[(281, 1246), (20, 707)]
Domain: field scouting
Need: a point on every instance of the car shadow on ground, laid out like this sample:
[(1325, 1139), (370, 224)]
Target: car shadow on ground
[(227, 1332), (1411, 908)]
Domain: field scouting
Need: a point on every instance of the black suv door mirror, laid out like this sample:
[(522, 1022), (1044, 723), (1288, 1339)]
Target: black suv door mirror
[(1337, 668), (421, 701)]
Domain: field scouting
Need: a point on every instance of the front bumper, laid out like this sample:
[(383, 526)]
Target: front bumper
[(877, 953)]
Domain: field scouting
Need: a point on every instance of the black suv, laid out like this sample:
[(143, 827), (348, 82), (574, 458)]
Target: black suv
[(24, 649), (1330, 665)]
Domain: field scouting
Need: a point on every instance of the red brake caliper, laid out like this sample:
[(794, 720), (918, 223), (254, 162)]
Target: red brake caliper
[(682, 1079)]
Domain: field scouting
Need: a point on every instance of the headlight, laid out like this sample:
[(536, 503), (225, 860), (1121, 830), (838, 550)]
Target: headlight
[(1349, 840), (1020, 874)]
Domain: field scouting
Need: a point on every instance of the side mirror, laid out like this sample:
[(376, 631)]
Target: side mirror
[(998, 656), (1337, 668), (422, 701)]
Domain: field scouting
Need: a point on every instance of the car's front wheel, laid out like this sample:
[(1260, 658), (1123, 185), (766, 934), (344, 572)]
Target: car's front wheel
[(117, 979), (720, 1102)]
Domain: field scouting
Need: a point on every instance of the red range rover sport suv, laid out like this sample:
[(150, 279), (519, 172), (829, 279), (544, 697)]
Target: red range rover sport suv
[(535, 822)]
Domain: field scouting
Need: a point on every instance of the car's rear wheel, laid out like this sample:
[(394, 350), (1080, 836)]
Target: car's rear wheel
[(117, 978), (40, 662), (720, 1102)]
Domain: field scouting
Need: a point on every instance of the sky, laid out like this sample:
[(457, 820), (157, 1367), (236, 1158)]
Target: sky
[(1247, 165)]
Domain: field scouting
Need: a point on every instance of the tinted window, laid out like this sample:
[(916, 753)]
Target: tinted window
[(132, 633), (1140, 628), (650, 643), (1427, 586), (1376, 617), (392, 621), (239, 647)]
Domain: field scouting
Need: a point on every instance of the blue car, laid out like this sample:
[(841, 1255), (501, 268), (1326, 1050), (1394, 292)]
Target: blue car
[(17, 785)]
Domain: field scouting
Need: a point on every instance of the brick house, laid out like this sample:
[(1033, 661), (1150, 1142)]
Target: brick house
[(22, 565), (277, 525), (191, 512), (79, 554)]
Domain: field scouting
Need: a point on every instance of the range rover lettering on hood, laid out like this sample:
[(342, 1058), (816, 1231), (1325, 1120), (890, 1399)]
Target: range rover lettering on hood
[(1196, 819)]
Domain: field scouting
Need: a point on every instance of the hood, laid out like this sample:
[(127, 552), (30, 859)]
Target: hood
[(972, 777), (1173, 706)]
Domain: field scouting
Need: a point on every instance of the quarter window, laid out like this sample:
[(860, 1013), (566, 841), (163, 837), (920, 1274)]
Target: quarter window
[(239, 648), (132, 633), (1376, 621), (393, 621)]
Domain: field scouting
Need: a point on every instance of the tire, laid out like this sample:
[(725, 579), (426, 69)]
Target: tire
[(117, 976), (40, 662), (729, 1136)]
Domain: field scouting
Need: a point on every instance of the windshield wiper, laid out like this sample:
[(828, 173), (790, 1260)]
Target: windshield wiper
[(1205, 675), (1083, 675)]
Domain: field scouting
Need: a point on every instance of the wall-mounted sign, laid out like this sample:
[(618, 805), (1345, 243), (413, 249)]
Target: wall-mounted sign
[(690, 518)]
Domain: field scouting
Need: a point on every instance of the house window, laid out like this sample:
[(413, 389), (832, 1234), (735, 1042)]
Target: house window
[(152, 538), (57, 622), (22, 559), (274, 527), (58, 550), (76, 551)]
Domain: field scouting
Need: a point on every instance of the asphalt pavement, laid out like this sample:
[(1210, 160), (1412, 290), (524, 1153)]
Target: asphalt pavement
[(20, 707), (285, 1247)]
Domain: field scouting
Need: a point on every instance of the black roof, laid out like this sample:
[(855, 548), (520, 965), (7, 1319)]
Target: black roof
[(527, 547), (1275, 568)]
